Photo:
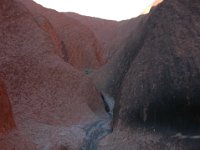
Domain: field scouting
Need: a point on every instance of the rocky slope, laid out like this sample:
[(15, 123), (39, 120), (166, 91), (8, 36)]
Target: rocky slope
[(110, 77), (74, 41), (10, 137), (105, 31), (47, 95), (158, 100), (151, 80), (6, 117), (112, 34), (166, 67)]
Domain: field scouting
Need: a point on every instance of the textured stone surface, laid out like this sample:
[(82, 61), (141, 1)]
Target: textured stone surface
[(164, 76), (41, 86), (6, 117), (110, 77), (105, 31), (153, 76), (78, 44), (10, 137), (17, 141), (158, 104)]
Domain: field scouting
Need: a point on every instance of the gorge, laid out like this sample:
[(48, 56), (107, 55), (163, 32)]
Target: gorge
[(73, 82)]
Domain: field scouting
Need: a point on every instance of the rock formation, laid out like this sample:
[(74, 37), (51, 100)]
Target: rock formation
[(110, 77), (158, 103), (151, 79), (77, 43), (10, 137), (164, 76), (46, 93), (104, 30), (6, 117)]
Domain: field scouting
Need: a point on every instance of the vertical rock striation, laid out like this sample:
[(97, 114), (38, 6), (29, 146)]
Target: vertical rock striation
[(6, 117)]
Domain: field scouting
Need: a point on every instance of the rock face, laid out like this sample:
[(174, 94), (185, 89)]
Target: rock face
[(153, 76), (44, 24), (163, 80), (105, 31), (158, 100), (6, 117), (10, 137), (110, 77), (45, 92), (81, 46), (75, 42)]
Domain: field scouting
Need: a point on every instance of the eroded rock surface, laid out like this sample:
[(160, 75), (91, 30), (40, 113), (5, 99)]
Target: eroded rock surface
[(77, 43), (153, 75), (10, 137), (110, 77), (164, 76), (6, 118), (43, 89), (158, 106), (106, 31)]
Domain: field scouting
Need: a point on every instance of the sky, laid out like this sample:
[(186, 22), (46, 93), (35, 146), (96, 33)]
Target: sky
[(107, 9)]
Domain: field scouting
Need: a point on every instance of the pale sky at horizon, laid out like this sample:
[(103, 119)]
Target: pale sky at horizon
[(107, 9)]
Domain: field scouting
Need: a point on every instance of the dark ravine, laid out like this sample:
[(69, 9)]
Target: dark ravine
[(97, 130)]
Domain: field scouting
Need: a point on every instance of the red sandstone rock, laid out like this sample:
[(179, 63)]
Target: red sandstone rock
[(48, 28), (105, 31), (6, 117), (14, 140), (78, 44), (43, 89), (10, 138), (152, 76)]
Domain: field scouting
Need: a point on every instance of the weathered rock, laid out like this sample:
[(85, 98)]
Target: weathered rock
[(10, 137), (78, 44), (105, 31), (110, 77), (44, 23), (148, 139), (6, 118), (158, 100), (42, 87), (154, 77), (17, 141), (163, 81)]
